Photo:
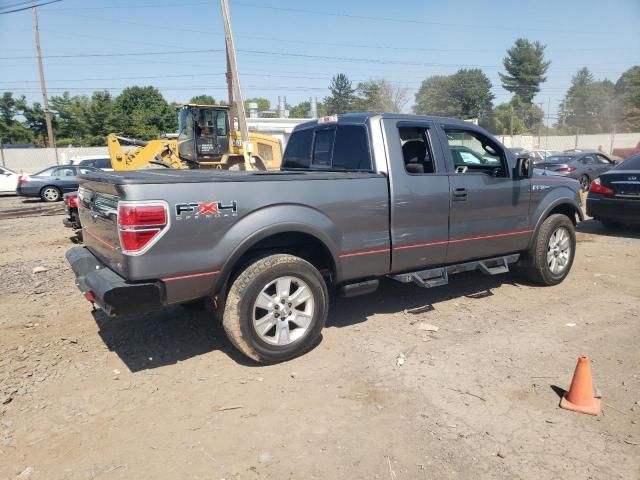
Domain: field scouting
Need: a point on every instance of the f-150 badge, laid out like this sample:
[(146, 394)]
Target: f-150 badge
[(198, 210)]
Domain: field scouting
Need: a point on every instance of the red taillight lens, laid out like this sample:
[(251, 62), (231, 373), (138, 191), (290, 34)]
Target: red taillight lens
[(141, 215), (597, 187), (134, 222), (133, 240), (566, 169), (23, 180), (72, 201)]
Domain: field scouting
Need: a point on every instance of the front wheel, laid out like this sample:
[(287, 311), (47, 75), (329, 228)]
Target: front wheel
[(276, 308), (551, 257)]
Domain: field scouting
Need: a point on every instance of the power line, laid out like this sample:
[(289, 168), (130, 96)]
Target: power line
[(33, 5)]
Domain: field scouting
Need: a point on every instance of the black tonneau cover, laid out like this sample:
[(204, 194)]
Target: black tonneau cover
[(167, 175)]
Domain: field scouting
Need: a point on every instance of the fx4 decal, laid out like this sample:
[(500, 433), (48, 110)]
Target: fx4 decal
[(539, 187), (197, 210)]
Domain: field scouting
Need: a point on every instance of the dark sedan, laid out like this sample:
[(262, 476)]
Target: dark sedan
[(614, 198), (583, 166), (51, 183)]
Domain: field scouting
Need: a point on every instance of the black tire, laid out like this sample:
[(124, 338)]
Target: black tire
[(50, 194), (239, 310), (585, 182), (610, 224), (537, 267)]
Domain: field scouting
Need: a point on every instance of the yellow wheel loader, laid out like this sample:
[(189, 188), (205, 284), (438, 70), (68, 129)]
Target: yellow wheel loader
[(205, 140)]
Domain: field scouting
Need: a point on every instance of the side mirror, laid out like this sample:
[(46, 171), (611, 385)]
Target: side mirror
[(524, 167)]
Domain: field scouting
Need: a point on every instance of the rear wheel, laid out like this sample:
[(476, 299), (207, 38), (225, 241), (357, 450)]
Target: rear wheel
[(276, 308), (551, 257), (50, 194)]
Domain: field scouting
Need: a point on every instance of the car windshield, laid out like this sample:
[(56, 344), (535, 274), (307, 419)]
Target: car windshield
[(631, 163), (558, 159)]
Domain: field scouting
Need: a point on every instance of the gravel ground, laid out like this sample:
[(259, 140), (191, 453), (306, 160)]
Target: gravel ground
[(165, 395)]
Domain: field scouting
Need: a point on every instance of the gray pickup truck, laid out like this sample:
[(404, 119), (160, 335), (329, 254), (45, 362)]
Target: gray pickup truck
[(359, 197)]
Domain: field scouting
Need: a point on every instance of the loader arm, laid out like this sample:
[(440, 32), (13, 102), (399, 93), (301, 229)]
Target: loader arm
[(145, 155)]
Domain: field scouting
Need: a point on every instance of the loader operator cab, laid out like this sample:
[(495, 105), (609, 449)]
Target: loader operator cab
[(203, 133)]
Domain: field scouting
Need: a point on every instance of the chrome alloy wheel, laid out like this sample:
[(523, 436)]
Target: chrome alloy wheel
[(51, 194), (559, 251), (283, 311)]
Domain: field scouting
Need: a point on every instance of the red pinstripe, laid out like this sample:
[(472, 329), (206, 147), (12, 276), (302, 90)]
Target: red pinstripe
[(193, 275), (104, 242)]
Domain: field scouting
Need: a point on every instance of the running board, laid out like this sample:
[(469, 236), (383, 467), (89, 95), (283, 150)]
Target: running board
[(436, 277)]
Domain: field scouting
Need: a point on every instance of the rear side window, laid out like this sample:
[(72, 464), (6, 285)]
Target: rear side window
[(103, 163), (345, 147), (298, 151)]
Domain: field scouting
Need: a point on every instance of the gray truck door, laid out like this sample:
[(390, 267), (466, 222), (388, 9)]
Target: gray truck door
[(419, 187), (489, 209)]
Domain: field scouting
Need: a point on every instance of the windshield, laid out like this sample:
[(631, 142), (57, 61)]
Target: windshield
[(558, 159), (631, 163)]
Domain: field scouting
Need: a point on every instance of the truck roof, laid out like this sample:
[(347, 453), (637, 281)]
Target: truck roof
[(358, 118)]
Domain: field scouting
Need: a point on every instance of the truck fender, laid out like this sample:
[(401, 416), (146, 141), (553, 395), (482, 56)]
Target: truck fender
[(545, 209), (265, 222)]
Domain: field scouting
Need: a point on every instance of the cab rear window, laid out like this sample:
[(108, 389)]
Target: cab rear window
[(343, 147)]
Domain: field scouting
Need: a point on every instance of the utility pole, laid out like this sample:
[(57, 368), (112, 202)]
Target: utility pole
[(233, 64), (43, 87), (546, 141), (229, 81)]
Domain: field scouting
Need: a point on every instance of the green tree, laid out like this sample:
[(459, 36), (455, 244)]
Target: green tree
[(203, 100), (303, 109), (589, 105), (142, 112), (380, 96), (526, 69), (627, 91), (263, 103), (465, 94), (100, 118), (342, 96), (35, 120), (71, 115), (13, 130), (515, 117)]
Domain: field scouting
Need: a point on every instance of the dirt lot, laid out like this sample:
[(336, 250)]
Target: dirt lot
[(166, 396)]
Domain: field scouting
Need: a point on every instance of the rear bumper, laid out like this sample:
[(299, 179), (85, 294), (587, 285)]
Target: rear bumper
[(614, 209), (110, 291), (28, 191)]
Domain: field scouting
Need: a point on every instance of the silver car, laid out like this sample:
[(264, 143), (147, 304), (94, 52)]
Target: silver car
[(583, 166)]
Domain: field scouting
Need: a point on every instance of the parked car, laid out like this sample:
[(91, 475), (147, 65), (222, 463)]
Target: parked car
[(101, 162), (464, 156), (614, 197), (52, 182), (583, 166), (72, 219), (360, 197), (8, 180), (519, 151)]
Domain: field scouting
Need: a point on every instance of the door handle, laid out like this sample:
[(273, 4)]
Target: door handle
[(459, 194)]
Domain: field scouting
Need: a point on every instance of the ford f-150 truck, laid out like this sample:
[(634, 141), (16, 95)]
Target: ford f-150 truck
[(359, 197)]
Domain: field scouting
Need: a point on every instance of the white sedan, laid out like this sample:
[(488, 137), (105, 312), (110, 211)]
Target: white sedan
[(8, 180)]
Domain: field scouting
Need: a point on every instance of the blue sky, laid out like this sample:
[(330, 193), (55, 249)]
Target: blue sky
[(292, 48)]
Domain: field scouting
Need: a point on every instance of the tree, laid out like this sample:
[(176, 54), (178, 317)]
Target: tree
[(203, 100), (36, 122), (526, 69), (342, 95), (303, 109), (11, 129), (263, 103), (589, 105), (100, 118), (627, 91), (515, 117), (71, 115), (465, 94), (380, 96), (142, 112)]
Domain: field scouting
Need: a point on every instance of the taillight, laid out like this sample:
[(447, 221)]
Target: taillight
[(597, 187), (140, 225), (72, 201), (565, 169), (22, 180)]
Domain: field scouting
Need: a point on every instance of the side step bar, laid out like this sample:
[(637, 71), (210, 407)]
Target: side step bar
[(436, 277)]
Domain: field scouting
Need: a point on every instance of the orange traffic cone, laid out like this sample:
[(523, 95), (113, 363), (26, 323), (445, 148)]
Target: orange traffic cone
[(580, 397)]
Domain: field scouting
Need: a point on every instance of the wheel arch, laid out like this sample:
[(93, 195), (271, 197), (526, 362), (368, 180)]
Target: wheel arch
[(561, 206)]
